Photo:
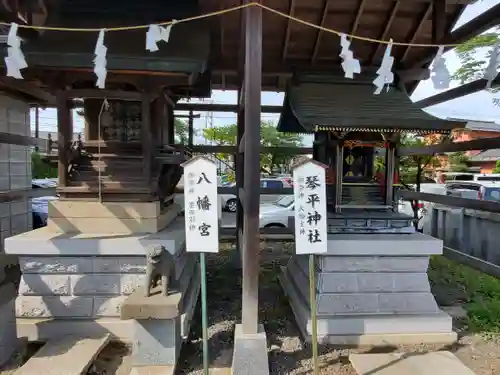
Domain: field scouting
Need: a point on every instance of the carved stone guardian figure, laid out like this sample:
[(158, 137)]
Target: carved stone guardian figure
[(159, 268)]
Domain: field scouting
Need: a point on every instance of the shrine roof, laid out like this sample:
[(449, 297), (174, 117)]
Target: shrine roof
[(216, 44), (339, 104)]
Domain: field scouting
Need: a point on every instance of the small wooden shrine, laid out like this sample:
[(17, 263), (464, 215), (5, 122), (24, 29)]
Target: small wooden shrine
[(128, 152), (355, 135)]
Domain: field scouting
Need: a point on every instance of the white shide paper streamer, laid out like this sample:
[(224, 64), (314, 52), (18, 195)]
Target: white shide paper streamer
[(440, 75), (385, 74), (100, 60), (15, 60), (156, 34), (349, 63), (492, 70)]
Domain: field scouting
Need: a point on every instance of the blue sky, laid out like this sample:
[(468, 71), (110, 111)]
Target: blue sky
[(478, 106)]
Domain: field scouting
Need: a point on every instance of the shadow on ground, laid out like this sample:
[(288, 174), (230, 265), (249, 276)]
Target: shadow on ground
[(288, 354)]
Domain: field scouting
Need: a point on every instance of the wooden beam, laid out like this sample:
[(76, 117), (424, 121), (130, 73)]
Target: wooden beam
[(251, 243), (288, 30), (457, 92), (28, 88), (476, 144), (357, 19), (103, 94), (18, 194), (417, 31), (167, 96), (320, 32), (234, 191), (21, 140), (205, 107), (476, 26), (385, 33), (473, 204), (438, 20), (290, 150)]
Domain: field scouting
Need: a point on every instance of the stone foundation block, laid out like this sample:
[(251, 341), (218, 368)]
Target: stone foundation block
[(50, 264), (157, 342), (94, 217), (45, 285), (120, 210), (8, 331), (95, 284), (369, 287), (54, 306)]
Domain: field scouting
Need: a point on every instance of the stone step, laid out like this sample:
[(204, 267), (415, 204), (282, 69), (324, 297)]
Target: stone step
[(69, 356), (442, 363)]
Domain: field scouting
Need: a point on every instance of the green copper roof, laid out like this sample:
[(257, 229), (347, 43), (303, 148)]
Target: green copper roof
[(316, 103)]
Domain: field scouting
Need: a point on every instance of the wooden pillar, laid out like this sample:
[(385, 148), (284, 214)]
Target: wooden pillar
[(389, 173), (170, 124), (240, 176), (64, 135), (37, 126), (190, 129), (339, 174), (146, 138), (251, 237), (157, 121)]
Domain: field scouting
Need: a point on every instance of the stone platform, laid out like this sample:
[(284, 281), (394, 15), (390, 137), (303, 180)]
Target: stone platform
[(75, 283), (372, 289)]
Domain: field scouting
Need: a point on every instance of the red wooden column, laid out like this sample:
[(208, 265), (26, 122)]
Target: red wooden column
[(251, 194)]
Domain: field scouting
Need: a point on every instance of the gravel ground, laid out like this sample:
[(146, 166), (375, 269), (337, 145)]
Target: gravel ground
[(287, 353)]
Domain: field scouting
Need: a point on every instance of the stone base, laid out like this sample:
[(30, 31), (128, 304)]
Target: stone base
[(109, 217), (372, 294), (250, 353), (384, 330), (120, 330), (8, 332), (157, 342)]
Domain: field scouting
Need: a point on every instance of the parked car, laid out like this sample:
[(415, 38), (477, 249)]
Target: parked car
[(40, 210), (423, 207), (457, 176), (489, 191), (40, 205), (229, 201), (278, 213)]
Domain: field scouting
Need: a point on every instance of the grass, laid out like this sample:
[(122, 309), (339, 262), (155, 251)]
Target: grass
[(477, 292)]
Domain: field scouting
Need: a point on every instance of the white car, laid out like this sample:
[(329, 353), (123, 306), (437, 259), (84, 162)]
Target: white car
[(229, 201), (277, 214), (424, 207)]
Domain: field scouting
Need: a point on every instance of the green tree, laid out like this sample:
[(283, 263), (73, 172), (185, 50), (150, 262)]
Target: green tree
[(41, 168), (458, 162), (497, 167), (473, 63), (181, 130), (270, 137), (411, 167)]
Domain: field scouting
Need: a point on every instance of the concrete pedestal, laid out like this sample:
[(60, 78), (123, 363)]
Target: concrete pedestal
[(160, 324), (10, 276), (372, 289), (75, 283)]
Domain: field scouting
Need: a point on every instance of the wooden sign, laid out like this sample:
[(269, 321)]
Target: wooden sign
[(201, 205), (310, 207)]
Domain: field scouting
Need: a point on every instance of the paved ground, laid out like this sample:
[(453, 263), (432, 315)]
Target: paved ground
[(287, 353)]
